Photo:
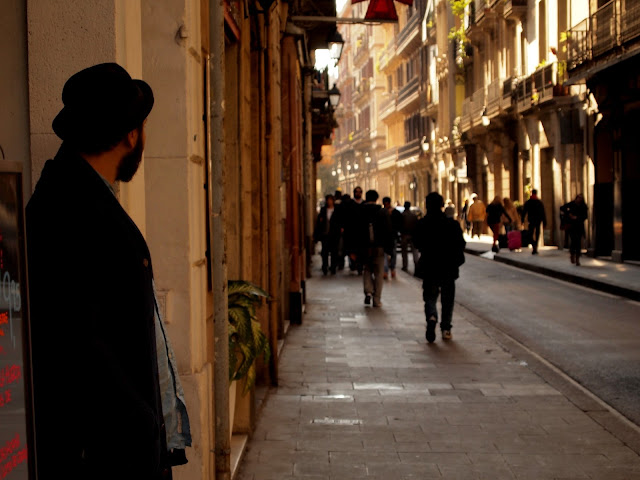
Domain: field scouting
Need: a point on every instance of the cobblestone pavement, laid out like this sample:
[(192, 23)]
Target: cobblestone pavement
[(362, 395)]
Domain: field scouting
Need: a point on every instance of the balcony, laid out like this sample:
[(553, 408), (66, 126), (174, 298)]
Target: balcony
[(514, 9), (388, 158), (465, 117), (362, 52), (388, 58), (410, 151), (524, 91), (408, 97), (479, 9), (578, 45), (388, 109), (603, 29), (605, 32), (494, 96), (508, 93), (630, 22), (478, 102), (361, 93), (409, 37)]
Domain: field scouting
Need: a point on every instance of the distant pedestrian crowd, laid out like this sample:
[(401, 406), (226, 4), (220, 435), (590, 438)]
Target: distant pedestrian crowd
[(368, 233)]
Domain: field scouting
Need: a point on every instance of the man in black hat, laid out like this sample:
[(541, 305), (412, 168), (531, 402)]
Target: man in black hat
[(103, 368)]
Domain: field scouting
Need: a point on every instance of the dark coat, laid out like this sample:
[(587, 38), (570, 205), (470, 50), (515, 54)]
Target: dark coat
[(577, 210), (378, 217), (98, 413), (495, 211), (328, 230), (441, 246), (534, 210), (350, 214)]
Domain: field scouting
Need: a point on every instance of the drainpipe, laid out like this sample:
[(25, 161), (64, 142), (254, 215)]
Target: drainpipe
[(217, 244)]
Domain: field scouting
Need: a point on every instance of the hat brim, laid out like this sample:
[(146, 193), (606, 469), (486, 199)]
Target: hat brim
[(67, 123)]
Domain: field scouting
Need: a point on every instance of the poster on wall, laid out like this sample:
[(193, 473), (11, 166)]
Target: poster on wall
[(15, 408)]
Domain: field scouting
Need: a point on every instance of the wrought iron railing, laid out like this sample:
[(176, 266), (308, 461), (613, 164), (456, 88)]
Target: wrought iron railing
[(410, 88), (630, 21), (409, 149), (578, 44), (410, 27), (604, 28)]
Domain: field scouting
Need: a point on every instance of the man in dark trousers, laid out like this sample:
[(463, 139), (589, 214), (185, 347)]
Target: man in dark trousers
[(373, 239), (441, 245), (102, 367), (534, 211)]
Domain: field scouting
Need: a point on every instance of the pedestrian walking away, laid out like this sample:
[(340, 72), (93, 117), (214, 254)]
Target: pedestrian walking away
[(107, 397), (396, 225), (464, 217), (495, 212), (441, 247), (328, 230), (534, 212), (409, 222), (351, 215), (373, 236), (477, 215), (573, 216)]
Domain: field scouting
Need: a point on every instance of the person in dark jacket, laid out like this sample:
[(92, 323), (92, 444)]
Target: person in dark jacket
[(373, 237), (409, 222), (575, 213), (97, 371), (534, 211), (328, 230), (396, 225), (495, 211), (441, 246), (350, 215)]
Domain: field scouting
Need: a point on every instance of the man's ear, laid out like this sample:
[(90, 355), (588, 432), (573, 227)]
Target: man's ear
[(132, 138)]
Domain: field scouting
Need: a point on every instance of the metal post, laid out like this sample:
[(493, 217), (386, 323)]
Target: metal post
[(217, 244)]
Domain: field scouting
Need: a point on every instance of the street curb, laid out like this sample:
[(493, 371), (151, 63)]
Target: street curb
[(567, 277), (585, 282)]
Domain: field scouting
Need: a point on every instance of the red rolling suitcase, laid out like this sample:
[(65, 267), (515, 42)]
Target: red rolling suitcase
[(514, 240)]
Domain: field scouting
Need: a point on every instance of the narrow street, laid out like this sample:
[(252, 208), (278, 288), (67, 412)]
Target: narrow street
[(591, 336), (362, 395)]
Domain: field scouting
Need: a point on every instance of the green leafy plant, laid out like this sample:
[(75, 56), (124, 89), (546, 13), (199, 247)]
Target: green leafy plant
[(458, 34), (247, 342)]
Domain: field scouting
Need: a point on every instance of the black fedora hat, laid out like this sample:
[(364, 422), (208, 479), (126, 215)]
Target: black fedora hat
[(102, 103)]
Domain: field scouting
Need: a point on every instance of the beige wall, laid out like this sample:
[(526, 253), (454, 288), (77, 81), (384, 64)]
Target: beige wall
[(14, 118)]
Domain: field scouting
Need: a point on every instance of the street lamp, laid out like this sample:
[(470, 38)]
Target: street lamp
[(333, 173), (336, 42), (334, 96), (356, 166), (349, 166), (485, 119), (367, 158), (425, 144)]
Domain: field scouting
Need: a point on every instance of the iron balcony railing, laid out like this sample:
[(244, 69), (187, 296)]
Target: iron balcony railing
[(388, 107), (610, 27), (494, 93), (409, 149), (479, 10), (630, 21), (578, 44), (508, 93), (603, 28), (409, 89), (411, 27)]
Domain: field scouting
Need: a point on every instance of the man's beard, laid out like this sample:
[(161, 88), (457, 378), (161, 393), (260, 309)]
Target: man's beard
[(129, 164)]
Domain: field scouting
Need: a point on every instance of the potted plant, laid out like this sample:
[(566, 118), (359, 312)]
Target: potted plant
[(247, 342)]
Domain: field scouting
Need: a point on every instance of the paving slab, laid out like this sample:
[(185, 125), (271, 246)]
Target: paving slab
[(363, 396)]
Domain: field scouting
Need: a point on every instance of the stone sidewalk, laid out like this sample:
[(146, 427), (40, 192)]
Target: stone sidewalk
[(363, 396)]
